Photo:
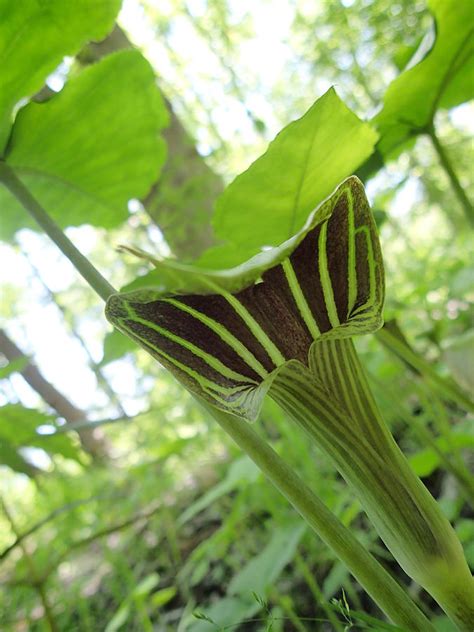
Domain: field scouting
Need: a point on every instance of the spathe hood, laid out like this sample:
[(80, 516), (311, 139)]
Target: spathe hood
[(226, 334)]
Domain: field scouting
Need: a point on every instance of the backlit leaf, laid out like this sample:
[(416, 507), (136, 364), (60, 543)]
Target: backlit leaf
[(442, 78), (116, 345), (84, 153), (268, 203), (34, 38)]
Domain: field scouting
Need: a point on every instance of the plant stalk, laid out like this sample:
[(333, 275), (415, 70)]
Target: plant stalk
[(379, 584), (452, 176), (38, 213), (332, 402)]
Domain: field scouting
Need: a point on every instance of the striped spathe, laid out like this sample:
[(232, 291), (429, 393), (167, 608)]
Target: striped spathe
[(226, 345)]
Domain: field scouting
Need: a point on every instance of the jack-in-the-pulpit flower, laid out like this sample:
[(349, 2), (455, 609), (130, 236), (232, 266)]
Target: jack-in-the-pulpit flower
[(282, 324)]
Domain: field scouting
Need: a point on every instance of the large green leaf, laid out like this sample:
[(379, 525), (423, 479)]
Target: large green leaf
[(87, 151), (442, 78), (35, 36), (270, 201)]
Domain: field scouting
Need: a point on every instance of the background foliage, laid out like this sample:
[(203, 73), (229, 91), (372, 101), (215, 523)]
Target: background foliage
[(124, 507)]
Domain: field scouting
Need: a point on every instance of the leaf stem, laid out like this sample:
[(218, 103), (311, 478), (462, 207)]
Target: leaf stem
[(452, 176), (40, 215), (379, 584)]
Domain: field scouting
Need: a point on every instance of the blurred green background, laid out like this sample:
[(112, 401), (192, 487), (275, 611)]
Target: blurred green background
[(147, 517)]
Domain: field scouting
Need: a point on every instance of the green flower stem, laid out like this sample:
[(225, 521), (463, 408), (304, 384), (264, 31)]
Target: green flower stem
[(453, 178), (332, 402), (447, 576), (385, 591), (30, 204)]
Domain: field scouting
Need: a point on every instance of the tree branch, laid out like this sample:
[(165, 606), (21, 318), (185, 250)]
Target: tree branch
[(94, 367), (51, 516), (91, 442)]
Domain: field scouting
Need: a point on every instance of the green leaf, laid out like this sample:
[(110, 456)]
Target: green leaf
[(242, 470), (442, 78), (19, 424), (405, 52), (119, 618), (374, 624), (84, 153), (226, 613), (263, 570), (58, 444), (145, 586), (116, 345), (14, 366), (425, 461), (35, 36), (13, 459), (163, 596), (269, 202), (19, 428)]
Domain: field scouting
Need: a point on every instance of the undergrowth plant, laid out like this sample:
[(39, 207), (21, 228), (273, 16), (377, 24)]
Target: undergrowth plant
[(272, 312), (282, 323)]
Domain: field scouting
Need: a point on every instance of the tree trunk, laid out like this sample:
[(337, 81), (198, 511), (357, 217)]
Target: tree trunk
[(181, 202), (92, 441)]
